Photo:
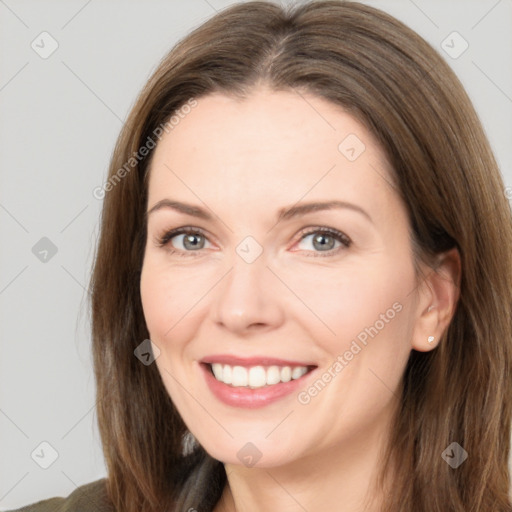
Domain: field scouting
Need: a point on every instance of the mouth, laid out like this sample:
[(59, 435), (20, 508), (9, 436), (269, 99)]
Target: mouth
[(255, 382), (257, 376)]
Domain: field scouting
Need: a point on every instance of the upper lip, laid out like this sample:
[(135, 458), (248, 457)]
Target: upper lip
[(252, 361)]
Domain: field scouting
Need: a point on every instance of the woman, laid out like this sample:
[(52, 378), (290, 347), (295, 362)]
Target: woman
[(302, 290)]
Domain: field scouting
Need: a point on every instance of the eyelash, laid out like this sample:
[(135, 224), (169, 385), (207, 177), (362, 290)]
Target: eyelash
[(167, 236)]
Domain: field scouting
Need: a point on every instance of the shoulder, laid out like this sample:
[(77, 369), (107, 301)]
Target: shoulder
[(88, 497)]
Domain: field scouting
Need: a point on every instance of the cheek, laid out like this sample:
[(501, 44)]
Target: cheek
[(167, 300), (356, 302), (171, 297), (155, 299)]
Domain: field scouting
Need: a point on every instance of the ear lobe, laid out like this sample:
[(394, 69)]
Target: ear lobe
[(439, 295)]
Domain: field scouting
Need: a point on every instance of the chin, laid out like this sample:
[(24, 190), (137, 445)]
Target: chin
[(258, 453)]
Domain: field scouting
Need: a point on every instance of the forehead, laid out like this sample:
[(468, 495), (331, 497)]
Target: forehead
[(271, 146)]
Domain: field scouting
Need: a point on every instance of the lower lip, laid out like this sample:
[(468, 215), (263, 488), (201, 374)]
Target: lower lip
[(250, 398)]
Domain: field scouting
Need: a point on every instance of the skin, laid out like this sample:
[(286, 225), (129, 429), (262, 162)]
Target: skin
[(242, 161)]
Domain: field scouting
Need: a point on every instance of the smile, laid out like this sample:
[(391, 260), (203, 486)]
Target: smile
[(256, 376), (254, 382)]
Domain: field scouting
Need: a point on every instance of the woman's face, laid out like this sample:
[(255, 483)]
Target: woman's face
[(266, 286)]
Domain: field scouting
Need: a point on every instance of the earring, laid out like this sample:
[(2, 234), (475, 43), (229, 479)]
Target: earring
[(430, 308), (430, 339)]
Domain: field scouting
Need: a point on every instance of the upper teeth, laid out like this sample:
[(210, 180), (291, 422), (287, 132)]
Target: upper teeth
[(256, 376)]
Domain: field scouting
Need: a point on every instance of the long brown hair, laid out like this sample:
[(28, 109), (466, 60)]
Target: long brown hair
[(391, 80)]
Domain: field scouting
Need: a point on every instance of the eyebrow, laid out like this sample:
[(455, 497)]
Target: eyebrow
[(282, 214)]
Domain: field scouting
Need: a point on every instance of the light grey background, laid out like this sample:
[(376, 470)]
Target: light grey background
[(60, 117)]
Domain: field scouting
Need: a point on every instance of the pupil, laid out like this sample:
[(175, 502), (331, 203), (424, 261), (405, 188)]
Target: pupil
[(321, 239), (189, 239)]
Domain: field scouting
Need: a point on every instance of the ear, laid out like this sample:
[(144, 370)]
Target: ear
[(439, 293)]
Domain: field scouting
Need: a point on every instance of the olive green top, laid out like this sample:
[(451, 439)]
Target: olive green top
[(91, 497)]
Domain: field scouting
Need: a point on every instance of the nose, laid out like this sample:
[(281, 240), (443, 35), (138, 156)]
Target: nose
[(248, 298)]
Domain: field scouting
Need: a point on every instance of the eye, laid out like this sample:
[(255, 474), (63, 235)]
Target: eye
[(324, 240), (191, 239)]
